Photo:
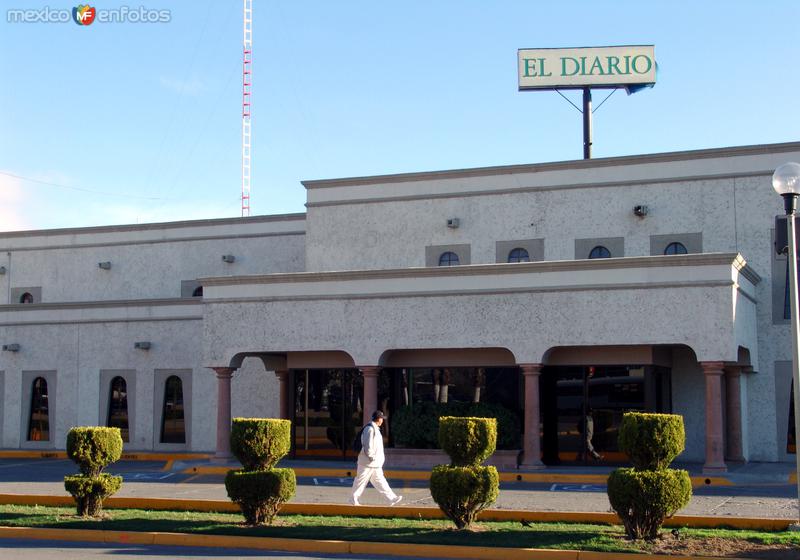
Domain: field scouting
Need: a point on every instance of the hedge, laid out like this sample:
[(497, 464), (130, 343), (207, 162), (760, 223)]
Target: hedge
[(259, 443)]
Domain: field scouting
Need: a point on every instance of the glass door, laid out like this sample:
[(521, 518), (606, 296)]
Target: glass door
[(327, 412)]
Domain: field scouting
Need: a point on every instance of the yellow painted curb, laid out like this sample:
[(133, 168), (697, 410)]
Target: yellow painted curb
[(320, 546), (294, 508), (144, 456)]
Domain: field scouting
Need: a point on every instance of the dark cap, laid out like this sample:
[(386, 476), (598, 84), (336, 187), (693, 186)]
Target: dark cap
[(377, 414)]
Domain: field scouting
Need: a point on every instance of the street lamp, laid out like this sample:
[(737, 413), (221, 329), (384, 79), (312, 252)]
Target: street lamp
[(786, 182)]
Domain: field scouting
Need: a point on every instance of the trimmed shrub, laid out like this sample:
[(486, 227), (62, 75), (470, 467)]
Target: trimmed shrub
[(463, 492), (417, 426), (652, 441), (648, 493), (259, 443), (260, 489), (90, 491), (643, 499), (464, 488), (468, 441), (93, 448), (260, 494)]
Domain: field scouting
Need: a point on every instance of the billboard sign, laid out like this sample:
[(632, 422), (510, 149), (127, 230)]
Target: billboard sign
[(595, 67)]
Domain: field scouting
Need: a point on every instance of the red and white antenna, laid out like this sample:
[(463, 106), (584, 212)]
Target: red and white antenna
[(247, 75)]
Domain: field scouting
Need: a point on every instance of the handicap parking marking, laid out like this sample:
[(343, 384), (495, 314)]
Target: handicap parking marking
[(146, 475), (332, 481), (578, 488)]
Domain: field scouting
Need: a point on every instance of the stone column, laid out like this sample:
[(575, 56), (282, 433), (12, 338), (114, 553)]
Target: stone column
[(715, 440), (733, 410), (370, 401), (283, 393), (224, 375), (531, 445)]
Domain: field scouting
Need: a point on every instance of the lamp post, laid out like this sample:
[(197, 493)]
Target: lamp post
[(786, 182)]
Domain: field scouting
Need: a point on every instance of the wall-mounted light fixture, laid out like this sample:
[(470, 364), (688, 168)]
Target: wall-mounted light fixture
[(10, 347), (144, 345), (228, 258), (105, 265), (640, 210), (453, 223), (2, 270)]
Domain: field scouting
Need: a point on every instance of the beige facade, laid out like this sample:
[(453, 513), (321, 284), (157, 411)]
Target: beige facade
[(353, 285)]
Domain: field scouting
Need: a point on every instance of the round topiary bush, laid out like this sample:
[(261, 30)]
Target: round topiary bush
[(260, 489), (259, 443), (94, 447), (260, 494), (463, 492), (652, 441), (464, 488), (644, 498), (468, 441), (90, 491)]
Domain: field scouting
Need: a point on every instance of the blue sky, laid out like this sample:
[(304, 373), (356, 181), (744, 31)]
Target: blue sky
[(148, 115)]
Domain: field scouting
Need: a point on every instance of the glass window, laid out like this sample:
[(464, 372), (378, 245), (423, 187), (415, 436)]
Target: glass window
[(173, 429), (599, 252), (198, 292), (27, 297), (118, 407), (675, 249), (518, 255), (448, 259), (39, 422)]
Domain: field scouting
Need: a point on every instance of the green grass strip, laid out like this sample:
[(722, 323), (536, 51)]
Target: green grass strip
[(564, 536)]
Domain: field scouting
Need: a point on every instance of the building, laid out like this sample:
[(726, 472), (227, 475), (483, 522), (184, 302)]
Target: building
[(644, 282)]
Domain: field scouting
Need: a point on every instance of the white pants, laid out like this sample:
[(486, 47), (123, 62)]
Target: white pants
[(375, 476)]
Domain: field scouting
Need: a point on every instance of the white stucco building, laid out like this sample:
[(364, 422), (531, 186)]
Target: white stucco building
[(324, 316)]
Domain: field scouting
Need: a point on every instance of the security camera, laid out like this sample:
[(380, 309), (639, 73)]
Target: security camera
[(640, 210)]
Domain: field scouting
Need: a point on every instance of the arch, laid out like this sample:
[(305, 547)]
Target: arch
[(173, 423), (676, 248), (198, 292), (599, 252), (518, 255), (448, 258), (118, 407), (27, 297), (39, 418), (448, 357), (642, 354)]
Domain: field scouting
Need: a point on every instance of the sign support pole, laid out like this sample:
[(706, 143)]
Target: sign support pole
[(587, 123)]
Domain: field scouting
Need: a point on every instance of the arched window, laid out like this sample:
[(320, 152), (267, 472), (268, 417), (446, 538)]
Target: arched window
[(118, 407), (198, 292), (448, 259), (518, 255), (173, 428), (27, 297), (599, 252), (39, 422), (675, 248)]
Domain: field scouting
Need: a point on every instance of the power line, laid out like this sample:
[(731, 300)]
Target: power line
[(81, 189)]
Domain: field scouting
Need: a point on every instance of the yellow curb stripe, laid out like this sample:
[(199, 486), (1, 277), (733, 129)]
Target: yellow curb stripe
[(168, 465), (145, 456), (319, 546), (292, 508)]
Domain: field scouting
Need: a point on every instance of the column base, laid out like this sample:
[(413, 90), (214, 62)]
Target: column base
[(532, 466), (221, 459), (715, 469)]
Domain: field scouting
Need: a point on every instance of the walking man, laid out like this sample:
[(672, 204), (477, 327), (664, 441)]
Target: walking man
[(370, 463)]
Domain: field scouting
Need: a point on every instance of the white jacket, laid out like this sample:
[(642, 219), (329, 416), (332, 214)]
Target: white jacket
[(371, 447)]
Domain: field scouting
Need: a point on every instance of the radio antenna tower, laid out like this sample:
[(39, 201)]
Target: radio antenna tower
[(247, 75)]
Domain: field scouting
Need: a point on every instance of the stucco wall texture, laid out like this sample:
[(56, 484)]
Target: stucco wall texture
[(89, 318)]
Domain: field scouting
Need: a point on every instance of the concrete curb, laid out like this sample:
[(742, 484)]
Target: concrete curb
[(225, 506), (325, 547)]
